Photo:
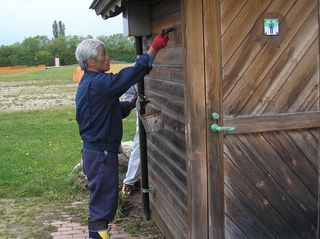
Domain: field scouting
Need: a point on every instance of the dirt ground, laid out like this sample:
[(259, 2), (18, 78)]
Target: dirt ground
[(31, 217), (28, 95)]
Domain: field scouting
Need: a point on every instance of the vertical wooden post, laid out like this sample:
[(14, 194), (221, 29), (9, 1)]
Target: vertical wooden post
[(213, 78), (318, 224), (195, 120)]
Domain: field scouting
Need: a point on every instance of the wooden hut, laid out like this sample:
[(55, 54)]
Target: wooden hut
[(262, 179)]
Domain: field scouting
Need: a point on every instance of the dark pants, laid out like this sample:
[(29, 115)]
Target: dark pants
[(101, 169)]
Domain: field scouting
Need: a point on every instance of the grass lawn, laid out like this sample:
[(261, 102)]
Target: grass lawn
[(51, 75), (39, 150)]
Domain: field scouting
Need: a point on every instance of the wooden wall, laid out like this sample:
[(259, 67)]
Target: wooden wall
[(271, 93), (166, 149)]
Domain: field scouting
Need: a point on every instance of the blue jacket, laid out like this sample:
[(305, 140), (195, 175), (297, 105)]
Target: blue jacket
[(99, 112)]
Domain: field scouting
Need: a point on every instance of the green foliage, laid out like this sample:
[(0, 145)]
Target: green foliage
[(42, 50), (62, 28), (44, 57), (58, 29), (55, 30), (119, 47)]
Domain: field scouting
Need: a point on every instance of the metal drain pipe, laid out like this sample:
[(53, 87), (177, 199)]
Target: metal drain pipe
[(143, 143)]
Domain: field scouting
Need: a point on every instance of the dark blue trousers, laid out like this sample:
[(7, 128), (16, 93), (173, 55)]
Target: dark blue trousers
[(101, 169)]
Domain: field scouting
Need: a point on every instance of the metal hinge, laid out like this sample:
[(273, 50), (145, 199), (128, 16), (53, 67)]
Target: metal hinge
[(151, 189)]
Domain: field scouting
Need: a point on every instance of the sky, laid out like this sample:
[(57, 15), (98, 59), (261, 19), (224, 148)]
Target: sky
[(20, 19)]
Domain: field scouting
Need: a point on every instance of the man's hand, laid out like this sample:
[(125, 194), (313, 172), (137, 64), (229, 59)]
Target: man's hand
[(160, 41), (133, 101)]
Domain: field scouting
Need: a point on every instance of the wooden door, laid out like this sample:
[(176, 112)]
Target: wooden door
[(262, 180), (268, 88)]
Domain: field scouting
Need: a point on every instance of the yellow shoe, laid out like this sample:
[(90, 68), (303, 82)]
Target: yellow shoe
[(99, 235)]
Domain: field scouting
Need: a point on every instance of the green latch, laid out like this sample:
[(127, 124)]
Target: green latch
[(215, 116), (216, 127)]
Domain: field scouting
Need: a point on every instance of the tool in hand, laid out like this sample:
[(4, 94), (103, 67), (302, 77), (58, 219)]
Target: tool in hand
[(168, 30)]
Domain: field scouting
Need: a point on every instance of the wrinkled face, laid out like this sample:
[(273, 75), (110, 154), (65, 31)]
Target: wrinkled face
[(102, 63)]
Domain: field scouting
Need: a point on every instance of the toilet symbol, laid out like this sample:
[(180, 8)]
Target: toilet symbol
[(271, 27)]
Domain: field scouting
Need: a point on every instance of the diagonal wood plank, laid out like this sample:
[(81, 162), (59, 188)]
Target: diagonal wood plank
[(315, 105), (295, 159), (229, 10), (245, 20), (266, 185), (251, 225), (307, 143), (295, 83), (257, 205), (232, 231), (251, 46), (289, 61), (308, 96), (282, 174), (267, 58)]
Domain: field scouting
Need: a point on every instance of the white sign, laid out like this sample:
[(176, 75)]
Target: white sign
[(56, 62)]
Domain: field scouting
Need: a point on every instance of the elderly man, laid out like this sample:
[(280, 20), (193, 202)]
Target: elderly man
[(99, 114)]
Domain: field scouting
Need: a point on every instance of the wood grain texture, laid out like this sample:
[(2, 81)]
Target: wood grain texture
[(168, 212), (232, 230), (213, 87), (196, 141), (243, 24), (229, 10), (257, 205), (163, 8), (254, 42), (280, 171), (268, 190), (167, 149), (295, 159), (262, 180), (297, 61), (250, 225), (273, 122), (299, 15)]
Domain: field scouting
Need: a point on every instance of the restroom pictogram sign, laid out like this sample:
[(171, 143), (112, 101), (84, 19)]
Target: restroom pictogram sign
[(271, 26)]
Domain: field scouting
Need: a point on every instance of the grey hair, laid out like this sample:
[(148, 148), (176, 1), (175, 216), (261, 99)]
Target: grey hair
[(87, 49)]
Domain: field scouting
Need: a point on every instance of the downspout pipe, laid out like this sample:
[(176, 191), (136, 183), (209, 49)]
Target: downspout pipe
[(143, 142)]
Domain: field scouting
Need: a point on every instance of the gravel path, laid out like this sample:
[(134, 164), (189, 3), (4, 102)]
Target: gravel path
[(30, 95)]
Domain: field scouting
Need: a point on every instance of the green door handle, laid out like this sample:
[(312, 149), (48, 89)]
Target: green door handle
[(217, 128)]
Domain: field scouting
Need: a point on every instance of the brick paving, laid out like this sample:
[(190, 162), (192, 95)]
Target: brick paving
[(68, 230)]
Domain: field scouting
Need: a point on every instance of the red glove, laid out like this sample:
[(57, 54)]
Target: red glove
[(133, 101), (160, 41)]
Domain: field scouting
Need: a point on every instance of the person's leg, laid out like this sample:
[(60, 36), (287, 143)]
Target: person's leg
[(101, 169), (133, 171)]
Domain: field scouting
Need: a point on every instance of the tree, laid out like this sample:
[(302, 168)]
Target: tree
[(62, 29), (44, 57), (42, 50), (55, 29), (119, 47), (58, 29)]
